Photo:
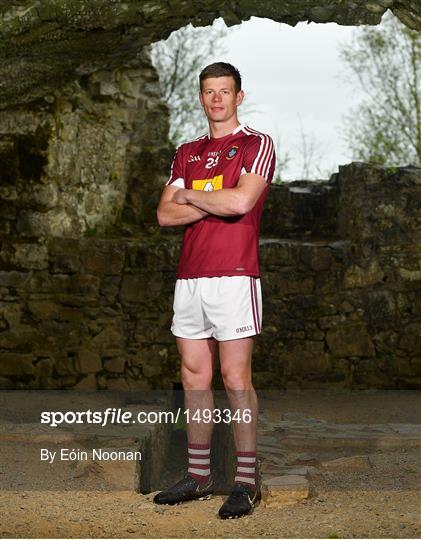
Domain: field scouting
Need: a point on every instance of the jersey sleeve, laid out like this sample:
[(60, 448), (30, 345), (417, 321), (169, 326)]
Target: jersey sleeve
[(260, 157), (176, 178)]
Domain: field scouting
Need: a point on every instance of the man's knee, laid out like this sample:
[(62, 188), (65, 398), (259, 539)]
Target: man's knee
[(192, 379), (235, 379)]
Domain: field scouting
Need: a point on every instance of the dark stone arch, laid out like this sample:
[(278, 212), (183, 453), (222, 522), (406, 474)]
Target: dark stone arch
[(43, 45)]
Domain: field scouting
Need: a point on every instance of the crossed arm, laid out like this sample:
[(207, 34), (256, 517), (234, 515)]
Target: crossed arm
[(179, 206)]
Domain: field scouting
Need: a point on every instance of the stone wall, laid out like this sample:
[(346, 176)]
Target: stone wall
[(86, 158), (342, 304)]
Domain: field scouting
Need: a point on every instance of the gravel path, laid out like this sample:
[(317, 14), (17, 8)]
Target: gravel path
[(383, 501)]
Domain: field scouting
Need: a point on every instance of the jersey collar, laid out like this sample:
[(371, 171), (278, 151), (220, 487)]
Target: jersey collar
[(236, 130)]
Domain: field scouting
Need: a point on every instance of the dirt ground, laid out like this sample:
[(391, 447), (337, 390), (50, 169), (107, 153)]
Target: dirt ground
[(383, 501)]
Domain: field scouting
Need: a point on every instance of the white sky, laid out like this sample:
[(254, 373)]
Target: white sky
[(291, 75)]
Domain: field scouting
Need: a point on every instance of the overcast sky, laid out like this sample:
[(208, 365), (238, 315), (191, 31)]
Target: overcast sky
[(292, 75)]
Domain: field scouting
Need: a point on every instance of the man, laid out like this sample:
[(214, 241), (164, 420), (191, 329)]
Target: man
[(217, 188)]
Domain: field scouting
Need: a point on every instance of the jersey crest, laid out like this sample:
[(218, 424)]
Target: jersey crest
[(232, 152)]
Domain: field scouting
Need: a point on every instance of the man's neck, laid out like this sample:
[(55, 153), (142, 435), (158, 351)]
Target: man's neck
[(220, 129)]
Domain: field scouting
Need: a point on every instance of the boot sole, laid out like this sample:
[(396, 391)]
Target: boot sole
[(202, 498)]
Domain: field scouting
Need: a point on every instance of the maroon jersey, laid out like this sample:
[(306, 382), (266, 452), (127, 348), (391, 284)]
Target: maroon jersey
[(217, 245)]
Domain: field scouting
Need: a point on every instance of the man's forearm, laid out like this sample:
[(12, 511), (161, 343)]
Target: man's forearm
[(171, 214), (223, 202)]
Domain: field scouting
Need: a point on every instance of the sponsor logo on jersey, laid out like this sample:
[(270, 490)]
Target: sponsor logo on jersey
[(232, 152), (214, 154), (193, 158), (209, 184)]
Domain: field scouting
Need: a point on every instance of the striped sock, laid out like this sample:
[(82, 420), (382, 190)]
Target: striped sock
[(199, 462), (246, 468)]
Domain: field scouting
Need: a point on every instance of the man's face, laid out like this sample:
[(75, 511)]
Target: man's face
[(219, 98)]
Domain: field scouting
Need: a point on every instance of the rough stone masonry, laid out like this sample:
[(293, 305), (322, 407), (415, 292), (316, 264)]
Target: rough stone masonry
[(86, 276)]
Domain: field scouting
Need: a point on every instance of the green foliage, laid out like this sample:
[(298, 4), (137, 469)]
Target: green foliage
[(91, 231), (386, 62)]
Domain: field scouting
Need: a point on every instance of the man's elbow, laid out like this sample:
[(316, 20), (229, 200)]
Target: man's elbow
[(162, 218), (243, 205)]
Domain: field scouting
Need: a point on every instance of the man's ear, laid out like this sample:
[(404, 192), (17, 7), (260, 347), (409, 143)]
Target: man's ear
[(240, 97), (200, 98)]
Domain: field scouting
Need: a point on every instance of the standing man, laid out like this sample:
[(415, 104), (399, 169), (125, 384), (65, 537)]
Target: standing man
[(217, 188)]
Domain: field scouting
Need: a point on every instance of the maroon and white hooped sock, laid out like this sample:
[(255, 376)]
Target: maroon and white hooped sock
[(199, 462), (246, 469)]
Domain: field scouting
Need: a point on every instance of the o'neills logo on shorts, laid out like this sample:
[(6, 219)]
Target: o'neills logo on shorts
[(244, 329)]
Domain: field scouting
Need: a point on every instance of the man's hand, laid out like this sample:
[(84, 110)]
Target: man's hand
[(180, 196), (170, 213)]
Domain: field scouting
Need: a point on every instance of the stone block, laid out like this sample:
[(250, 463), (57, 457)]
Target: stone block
[(85, 284), (411, 338), (44, 367), (65, 364), (300, 471), (120, 474), (31, 256), (14, 279), (110, 337), (108, 88), (12, 312), (66, 262), (100, 256), (43, 309), (151, 370), (304, 362), (117, 384), (88, 362), (356, 276), (350, 340), (410, 275), (16, 364), (115, 364), (331, 321), (416, 365), (350, 463), (87, 383), (284, 490), (138, 385), (6, 384)]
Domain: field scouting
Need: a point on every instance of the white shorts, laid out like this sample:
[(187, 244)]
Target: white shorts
[(227, 307)]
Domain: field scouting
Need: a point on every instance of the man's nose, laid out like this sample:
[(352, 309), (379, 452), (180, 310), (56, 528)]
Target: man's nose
[(217, 97)]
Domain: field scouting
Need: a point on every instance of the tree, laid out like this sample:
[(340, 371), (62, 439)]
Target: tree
[(310, 152), (386, 127), (178, 61), (282, 160)]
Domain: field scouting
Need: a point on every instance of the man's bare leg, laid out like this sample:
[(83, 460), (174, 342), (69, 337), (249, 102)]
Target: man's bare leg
[(197, 361), (235, 357), (198, 357)]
